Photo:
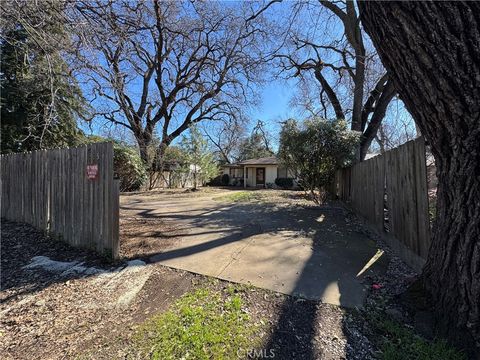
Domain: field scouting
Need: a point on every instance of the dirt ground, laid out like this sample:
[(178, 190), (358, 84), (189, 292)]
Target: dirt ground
[(143, 236), (57, 317), (93, 313)]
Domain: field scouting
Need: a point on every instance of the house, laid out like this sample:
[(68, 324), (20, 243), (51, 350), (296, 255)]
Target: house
[(260, 172)]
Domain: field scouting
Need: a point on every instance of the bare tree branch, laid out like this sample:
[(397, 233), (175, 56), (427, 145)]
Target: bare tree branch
[(341, 66), (168, 65)]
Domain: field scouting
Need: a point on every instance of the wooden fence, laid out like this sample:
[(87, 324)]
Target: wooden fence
[(390, 192), (51, 190)]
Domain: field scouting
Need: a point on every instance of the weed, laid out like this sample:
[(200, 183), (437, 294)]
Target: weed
[(398, 342), (204, 324), (240, 196)]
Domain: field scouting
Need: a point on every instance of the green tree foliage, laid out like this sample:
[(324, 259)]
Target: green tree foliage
[(40, 100), (315, 149), (253, 147), (127, 164), (199, 157), (177, 164), (174, 155), (128, 167)]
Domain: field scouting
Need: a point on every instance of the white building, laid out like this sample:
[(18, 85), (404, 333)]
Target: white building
[(260, 172)]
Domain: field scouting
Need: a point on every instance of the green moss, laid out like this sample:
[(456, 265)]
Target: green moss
[(205, 324)]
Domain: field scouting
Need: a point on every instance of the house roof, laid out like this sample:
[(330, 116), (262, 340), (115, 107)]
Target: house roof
[(232, 165), (271, 160)]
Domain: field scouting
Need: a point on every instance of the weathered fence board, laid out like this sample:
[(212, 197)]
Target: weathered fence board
[(395, 184), (50, 190)]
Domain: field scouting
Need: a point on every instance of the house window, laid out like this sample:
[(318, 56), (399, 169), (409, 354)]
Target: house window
[(282, 172)]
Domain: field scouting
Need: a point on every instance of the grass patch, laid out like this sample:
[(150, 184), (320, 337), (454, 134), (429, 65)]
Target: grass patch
[(399, 342), (205, 324), (240, 196)]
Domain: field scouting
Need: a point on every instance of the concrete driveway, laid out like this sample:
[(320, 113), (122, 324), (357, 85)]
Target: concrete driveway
[(316, 252)]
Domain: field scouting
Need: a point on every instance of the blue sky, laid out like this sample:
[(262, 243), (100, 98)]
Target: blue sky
[(275, 97), (275, 102), (274, 107)]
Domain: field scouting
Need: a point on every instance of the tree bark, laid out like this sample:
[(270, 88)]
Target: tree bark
[(332, 96), (144, 141), (381, 104), (382, 94), (432, 53)]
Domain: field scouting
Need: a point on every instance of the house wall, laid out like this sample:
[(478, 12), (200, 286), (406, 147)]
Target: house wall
[(285, 173), (234, 173), (251, 176), (270, 174)]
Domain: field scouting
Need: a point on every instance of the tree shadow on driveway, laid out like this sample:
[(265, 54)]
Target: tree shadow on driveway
[(319, 241), (331, 271)]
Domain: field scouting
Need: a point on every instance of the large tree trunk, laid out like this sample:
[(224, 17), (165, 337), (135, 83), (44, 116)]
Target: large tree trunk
[(144, 153), (158, 164), (432, 52), (144, 140)]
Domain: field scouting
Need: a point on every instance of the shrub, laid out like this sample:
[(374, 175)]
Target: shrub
[(225, 179), (315, 149), (128, 167), (216, 181), (284, 183)]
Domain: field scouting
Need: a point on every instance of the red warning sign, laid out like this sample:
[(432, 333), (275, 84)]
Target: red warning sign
[(92, 171)]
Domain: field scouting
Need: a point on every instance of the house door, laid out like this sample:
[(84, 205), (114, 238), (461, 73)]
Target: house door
[(260, 178)]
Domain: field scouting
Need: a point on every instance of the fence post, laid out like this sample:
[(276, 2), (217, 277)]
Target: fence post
[(115, 219)]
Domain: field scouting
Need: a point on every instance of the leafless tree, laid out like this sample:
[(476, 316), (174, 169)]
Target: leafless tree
[(335, 51), (225, 137), (261, 131), (159, 67), (396, 128)]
